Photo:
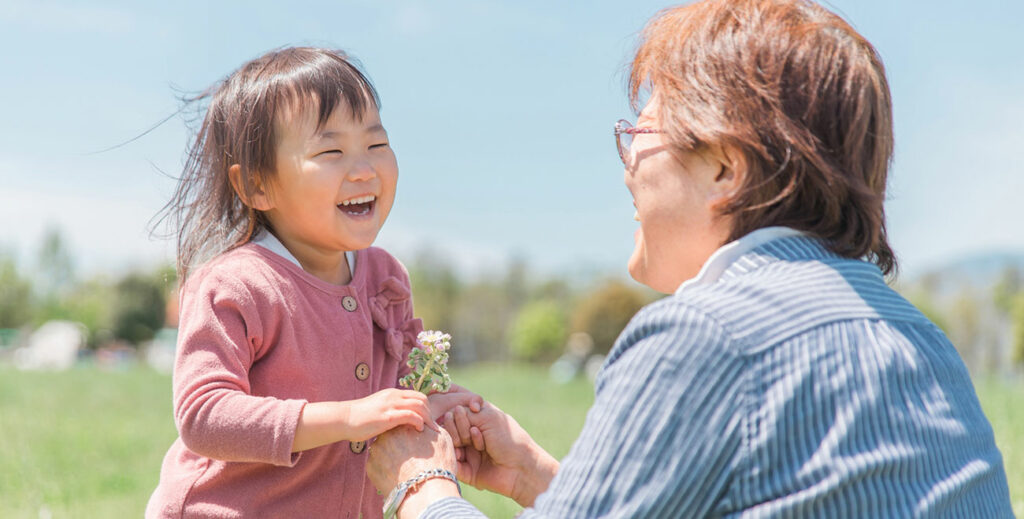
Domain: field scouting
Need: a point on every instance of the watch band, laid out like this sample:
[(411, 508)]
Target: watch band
[(398, 493)]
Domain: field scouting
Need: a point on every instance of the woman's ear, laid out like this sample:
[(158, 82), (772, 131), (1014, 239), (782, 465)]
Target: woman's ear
[(257, 198), (731, 175)]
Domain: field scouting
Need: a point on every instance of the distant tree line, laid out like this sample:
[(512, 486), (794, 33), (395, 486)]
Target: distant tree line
[(508, 313), (501, 315), (128, 308), (984, 320), (512, 314)]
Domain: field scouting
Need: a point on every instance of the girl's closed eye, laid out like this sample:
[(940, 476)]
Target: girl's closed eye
[(380, 145), (331, 152)]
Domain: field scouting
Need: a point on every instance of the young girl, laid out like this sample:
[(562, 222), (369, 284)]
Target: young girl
[(293, 337)]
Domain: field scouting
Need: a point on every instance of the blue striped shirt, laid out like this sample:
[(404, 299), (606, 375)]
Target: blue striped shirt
[(792, 383)]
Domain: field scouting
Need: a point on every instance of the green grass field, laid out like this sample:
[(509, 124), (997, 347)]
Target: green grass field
[(88, 443)]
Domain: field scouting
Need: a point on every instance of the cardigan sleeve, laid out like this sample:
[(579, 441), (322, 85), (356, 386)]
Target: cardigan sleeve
[(217, 415), (665, 429)]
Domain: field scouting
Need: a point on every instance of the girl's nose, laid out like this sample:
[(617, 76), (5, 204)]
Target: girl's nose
[(362, 170)]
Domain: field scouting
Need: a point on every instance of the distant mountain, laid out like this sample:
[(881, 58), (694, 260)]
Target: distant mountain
[(979, 270)]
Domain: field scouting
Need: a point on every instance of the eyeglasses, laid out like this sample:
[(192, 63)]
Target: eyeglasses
[(624, 132)]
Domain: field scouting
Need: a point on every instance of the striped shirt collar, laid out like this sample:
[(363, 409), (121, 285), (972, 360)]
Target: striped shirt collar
[(720, 260)]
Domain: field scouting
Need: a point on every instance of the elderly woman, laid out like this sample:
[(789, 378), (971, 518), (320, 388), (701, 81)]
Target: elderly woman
[(782, 377)]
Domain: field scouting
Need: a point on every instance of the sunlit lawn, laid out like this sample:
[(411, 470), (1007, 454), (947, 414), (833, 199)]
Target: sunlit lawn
[(88, 443), (84, 443)]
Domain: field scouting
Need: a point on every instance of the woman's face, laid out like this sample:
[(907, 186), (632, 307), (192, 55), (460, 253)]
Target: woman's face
[(675, 196)]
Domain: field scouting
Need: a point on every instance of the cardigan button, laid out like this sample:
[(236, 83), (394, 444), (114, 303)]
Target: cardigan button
[(349, 303), (362, 371), (357, 447)]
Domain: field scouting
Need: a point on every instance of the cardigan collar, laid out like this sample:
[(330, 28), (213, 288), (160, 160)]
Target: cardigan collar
[(268, 241), (722, 258)]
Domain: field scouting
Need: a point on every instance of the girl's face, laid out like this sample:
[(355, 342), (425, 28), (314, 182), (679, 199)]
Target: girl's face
[(675, 196), (334, 185)]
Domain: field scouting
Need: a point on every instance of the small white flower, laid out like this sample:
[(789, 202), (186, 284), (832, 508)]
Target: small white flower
[(429, 365)]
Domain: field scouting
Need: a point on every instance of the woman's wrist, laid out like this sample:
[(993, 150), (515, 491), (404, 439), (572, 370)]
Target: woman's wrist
[(534, 477), (430, 491)]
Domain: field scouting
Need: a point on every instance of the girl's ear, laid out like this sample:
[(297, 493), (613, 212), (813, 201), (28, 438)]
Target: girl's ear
[(258, 198)]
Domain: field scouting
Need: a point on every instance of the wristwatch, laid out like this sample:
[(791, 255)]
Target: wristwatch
[(398, 493)]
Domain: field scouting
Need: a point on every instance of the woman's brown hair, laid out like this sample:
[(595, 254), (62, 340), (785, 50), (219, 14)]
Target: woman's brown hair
[(206, 212), (799, 93)]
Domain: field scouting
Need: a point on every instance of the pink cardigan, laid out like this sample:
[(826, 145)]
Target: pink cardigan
[(259, 338)]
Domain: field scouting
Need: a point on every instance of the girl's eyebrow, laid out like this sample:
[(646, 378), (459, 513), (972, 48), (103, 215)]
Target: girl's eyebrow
[(331, 134)]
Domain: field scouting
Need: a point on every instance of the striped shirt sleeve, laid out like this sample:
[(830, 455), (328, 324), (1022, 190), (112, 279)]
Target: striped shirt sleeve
[(663, 433)]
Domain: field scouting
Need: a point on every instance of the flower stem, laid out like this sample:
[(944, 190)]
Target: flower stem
[(426, 371)]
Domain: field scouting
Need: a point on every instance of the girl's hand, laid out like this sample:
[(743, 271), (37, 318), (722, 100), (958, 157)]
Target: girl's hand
[(456, 422), (385, 410), (322, 423), (457, 396)]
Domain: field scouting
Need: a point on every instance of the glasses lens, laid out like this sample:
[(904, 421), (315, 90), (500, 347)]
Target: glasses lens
[(623, 138), (625, 142)]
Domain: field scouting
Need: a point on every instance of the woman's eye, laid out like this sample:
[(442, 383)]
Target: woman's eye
[(378, 145), (329, 152)]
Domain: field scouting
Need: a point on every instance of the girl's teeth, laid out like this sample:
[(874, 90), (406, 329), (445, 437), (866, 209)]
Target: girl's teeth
[(360, 200)]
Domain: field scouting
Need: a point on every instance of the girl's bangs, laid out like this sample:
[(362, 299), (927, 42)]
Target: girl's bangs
[(327, 80)]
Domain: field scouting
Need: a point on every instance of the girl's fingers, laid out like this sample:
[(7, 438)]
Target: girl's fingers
[(449, 425), (417, 396), (433, 425), (418, 406), (462, 425), (417, 422), (406, 417), (442, 402)]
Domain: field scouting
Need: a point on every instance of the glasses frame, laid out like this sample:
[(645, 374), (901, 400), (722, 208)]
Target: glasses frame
[(623, 126)]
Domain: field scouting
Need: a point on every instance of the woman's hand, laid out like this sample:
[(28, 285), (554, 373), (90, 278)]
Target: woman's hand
[(499, 455), (322, 423), (400, 454)]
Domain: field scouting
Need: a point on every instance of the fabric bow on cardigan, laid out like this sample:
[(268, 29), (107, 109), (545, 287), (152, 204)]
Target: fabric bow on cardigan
[(388, 307)]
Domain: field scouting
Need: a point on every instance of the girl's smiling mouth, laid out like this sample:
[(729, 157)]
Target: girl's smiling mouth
[(358, 206)]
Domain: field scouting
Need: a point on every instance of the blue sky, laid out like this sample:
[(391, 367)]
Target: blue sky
[(500, 113)]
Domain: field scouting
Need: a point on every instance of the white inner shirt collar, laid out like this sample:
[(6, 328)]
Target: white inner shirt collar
[(720, 260), (268, 241)]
